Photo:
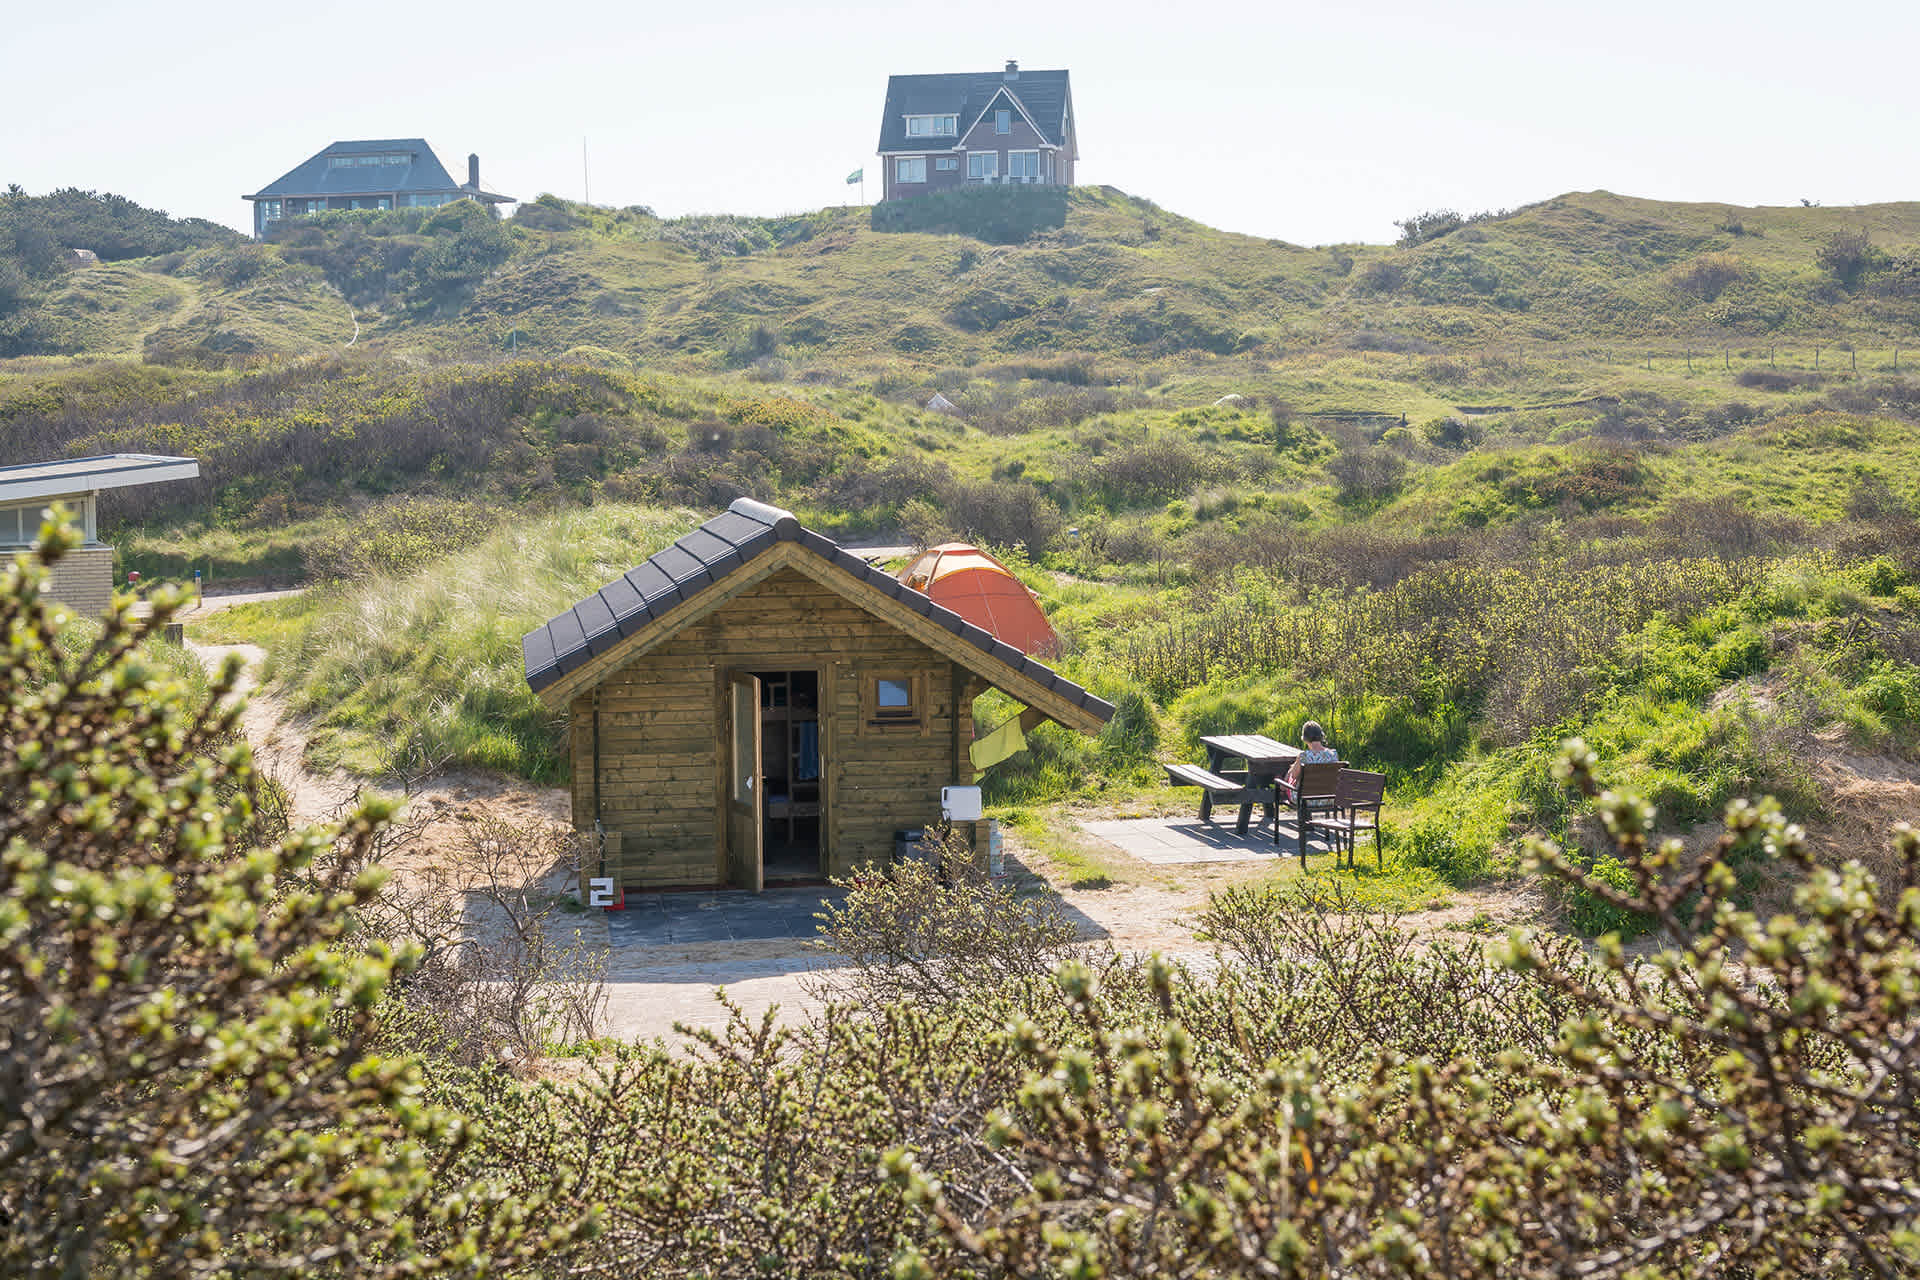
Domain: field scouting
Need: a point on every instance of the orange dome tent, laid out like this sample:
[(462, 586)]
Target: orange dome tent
[(983, 591)]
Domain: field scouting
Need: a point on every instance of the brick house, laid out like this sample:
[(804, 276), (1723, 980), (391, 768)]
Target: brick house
[(83, 580), (943, 132), (373, 173)]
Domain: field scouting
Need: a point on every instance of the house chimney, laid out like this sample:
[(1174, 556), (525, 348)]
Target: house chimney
[(1013, 70), (473, 172)]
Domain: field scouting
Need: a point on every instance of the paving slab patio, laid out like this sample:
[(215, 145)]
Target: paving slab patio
[(1179, 841), (677, 919)]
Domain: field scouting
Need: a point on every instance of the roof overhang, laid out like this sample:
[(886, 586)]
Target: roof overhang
[(78, 476), (714, 569)]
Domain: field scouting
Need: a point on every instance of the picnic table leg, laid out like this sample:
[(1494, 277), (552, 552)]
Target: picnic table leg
[(1214, 760)]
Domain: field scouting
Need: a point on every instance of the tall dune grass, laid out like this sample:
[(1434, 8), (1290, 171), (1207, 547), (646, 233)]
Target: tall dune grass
[(428, 664)]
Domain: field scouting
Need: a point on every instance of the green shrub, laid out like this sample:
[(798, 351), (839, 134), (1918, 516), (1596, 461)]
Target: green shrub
[(998, 215), (188, 1000), (1435, 845), (1593, 915)]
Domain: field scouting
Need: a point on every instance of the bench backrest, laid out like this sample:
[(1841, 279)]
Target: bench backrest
[(1318, 781), (1357, 787)]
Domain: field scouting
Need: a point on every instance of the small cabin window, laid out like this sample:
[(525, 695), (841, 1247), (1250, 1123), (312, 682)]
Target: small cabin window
[(910, 169), (946, 164), (895, 698), (1003, 121)]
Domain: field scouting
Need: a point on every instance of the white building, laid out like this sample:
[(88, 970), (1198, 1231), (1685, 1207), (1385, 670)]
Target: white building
[(83, 580)]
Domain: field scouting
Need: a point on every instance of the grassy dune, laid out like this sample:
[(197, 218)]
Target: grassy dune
[(1123, 277), (428, 662)]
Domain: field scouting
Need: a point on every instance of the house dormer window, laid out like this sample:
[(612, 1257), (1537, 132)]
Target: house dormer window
[(363, 162), (932, 126)]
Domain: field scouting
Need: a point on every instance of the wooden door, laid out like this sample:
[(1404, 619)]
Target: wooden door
[(746, 789)]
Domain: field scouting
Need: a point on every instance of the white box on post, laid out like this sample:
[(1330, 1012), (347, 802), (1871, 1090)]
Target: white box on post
[(960, 804)]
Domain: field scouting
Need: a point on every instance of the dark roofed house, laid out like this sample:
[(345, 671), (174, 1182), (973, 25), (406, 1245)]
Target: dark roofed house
[(756, 704), (389, 173), (961, 129)]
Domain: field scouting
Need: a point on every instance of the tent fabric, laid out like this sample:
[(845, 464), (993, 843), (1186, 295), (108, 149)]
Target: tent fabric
[(980, 589)]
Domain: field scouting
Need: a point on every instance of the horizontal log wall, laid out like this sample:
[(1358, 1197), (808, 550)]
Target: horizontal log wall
[(663, 735)]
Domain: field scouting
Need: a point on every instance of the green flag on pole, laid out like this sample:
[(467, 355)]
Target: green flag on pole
[(857, 175)]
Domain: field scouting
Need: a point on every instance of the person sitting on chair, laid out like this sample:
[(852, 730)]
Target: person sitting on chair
[(1314, 739)]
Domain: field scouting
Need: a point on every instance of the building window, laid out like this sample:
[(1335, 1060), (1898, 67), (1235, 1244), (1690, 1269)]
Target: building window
[(1003, 121), (1023, 165), (910, 169), (932, 126), (895, 698), (983, 164), (946, 164), (365, 162), (20, 526), (269, 212)]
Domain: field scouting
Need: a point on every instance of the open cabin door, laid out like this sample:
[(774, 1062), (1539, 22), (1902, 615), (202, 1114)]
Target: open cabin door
[(746, 789)]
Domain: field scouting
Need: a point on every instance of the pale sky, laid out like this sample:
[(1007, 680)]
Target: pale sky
[(1314, 124)]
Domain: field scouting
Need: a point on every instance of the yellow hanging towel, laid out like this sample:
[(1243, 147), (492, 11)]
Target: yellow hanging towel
[(1009, 739)]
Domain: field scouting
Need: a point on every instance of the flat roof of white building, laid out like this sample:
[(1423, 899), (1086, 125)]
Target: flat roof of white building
[(31, 480)]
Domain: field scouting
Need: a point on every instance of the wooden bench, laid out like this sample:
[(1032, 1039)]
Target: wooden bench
[(1220, 787), (1192, 775)]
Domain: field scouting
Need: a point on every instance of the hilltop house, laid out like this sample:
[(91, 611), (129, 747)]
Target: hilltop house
[(941, 132), (756, 704), (390, 173)]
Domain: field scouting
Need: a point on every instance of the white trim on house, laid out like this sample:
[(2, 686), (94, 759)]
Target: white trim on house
[(1011, 97), (1035, 176), (920, 181), (80, 476), (987, 172)]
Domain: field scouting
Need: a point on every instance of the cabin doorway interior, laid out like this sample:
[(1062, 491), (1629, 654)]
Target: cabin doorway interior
[(776, 800)]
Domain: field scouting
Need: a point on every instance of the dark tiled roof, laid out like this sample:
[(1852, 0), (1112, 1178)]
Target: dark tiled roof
[(1043, 93), (422, 172), (728, 542)]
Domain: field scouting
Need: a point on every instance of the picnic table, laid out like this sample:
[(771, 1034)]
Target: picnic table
[(1265, 759)]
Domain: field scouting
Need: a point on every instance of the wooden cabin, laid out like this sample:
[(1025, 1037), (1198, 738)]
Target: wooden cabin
[(756, 705)]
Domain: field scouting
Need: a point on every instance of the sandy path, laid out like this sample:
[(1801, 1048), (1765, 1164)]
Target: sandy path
[(279, 749), (209, 604)]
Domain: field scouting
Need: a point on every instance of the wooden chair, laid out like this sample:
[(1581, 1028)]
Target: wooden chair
[(1313, 793), (1357, 800)]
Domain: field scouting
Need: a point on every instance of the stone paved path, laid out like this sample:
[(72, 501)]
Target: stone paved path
[(666, 952), (1175, 841)]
